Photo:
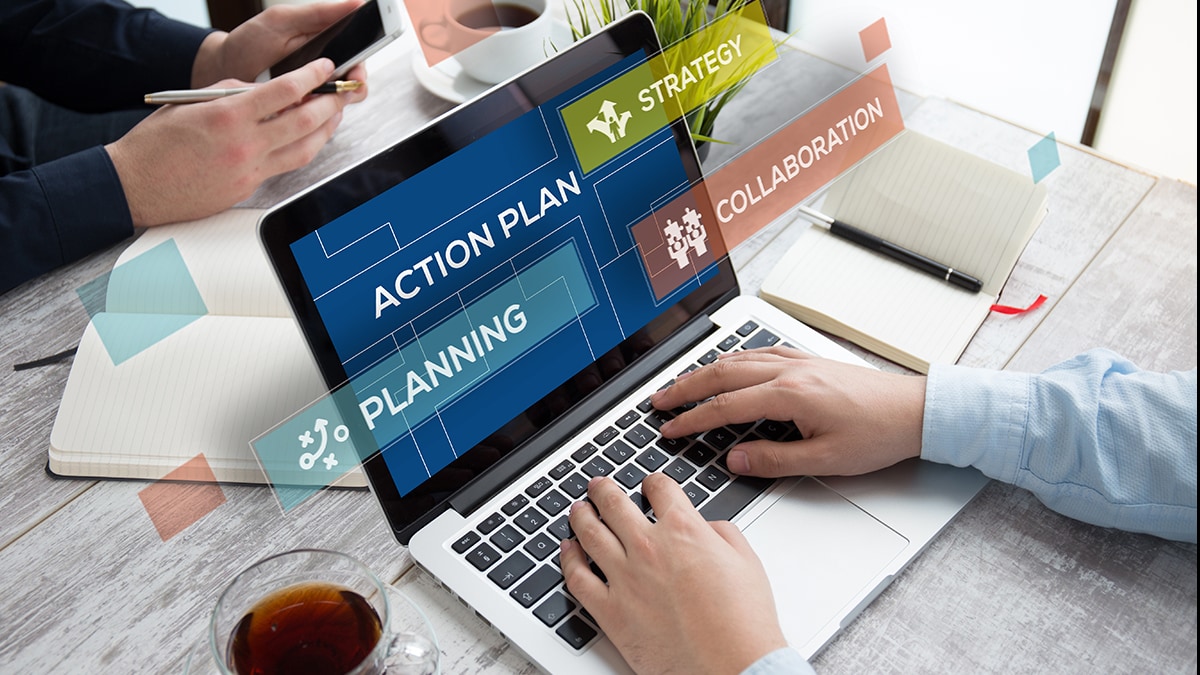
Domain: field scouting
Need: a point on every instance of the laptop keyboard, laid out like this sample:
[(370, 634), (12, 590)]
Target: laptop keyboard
[(517, 546)]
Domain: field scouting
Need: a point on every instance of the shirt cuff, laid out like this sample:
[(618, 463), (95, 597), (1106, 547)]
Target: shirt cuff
[(86, 201), (785, 661), (976, 417)]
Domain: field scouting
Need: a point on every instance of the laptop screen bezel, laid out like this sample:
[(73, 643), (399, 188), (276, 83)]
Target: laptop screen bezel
[(303, 214)]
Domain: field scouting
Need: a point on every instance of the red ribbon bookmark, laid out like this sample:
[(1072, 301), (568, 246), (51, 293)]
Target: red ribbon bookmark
[(1006, 309)]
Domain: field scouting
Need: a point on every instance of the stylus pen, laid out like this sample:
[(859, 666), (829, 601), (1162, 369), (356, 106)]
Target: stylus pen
[(201, 95), (911, 258)]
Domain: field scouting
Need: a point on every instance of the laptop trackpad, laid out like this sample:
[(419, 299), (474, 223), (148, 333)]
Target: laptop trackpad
[(820, 551)]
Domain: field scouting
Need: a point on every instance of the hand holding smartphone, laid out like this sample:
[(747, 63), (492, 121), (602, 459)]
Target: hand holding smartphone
[(347, 42)]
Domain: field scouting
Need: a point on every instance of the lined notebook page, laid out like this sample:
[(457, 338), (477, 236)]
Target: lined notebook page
[(944, 203), (893, 310), (210, 388), (225, 260), (929, 197)]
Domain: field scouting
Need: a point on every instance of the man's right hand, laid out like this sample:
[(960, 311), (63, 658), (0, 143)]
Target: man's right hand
[(854, 419), (190, 161)]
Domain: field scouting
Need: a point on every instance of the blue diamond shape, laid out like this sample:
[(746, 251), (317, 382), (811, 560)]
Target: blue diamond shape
[(1043, 157)]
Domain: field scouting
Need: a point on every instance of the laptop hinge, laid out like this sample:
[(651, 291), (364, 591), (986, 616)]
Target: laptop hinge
[(483, 488)]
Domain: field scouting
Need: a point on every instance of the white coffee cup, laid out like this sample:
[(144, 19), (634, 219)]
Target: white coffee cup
[(492, 41)]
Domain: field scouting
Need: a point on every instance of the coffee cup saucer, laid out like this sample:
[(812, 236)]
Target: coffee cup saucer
[(446, 79)]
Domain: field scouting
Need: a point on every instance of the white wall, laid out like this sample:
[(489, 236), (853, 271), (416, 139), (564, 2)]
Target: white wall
[(1035, 62), (1030, 61), (1149, 117)]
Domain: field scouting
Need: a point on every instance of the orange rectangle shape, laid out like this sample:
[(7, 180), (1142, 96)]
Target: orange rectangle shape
[(781, 171), (173, 506)]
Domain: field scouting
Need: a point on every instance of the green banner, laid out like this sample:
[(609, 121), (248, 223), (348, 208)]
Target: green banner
[(686, 75)]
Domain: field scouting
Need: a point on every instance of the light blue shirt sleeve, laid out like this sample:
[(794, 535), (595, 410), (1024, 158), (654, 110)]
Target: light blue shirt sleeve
[(786, 661), (1094, 438)]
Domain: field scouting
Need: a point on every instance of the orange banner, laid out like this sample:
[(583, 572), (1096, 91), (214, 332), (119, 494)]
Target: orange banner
[(781, 171)]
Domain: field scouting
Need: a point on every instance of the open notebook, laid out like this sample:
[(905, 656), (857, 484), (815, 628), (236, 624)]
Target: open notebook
[(196, 353), (942, 202)]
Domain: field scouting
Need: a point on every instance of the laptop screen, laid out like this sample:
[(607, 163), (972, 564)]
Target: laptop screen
[(474, 282)]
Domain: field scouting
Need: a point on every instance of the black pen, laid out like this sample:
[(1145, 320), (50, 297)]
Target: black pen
[(911, 258), (202, 95)]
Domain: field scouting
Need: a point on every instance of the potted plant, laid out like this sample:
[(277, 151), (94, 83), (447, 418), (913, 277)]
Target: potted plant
[(673, 21)]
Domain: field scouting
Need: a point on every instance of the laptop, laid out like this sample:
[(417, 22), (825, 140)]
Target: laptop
[(502, 316)]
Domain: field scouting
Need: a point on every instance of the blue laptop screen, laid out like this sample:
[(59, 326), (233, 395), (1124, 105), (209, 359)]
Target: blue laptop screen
[(464, 295)]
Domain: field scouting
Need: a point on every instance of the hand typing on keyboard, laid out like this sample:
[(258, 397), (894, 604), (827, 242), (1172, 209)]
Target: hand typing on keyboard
[(682, 594), (853, 420)]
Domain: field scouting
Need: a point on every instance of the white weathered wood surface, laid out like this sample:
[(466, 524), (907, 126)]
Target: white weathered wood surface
[(87, 585)]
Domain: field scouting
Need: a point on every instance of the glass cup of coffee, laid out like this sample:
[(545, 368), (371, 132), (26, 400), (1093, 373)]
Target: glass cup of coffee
[(492, 41), (313, 611)]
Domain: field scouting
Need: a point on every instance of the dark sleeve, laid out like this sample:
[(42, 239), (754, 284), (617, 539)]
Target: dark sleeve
[(94, 55), (59, 212)]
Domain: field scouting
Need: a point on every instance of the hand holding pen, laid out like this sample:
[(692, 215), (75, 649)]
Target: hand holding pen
[(185, 162)]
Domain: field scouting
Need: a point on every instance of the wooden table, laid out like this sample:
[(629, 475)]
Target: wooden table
[(87, 585)]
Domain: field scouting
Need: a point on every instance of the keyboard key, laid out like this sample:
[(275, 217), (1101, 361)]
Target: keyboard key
[(605, 436), (652, 459), (728, 343), (645, 406), (514, 505), (673, 445), (700, 454), (554, 502), (597, 467), (656, 418), (541, 546), (465, 542), (708, 357), (640, 501), (554, 609), (564, 467), (747, 328), (695, 493), (720, 438), (629, 476), (711, 478), (628, 419), (583, 453), (483, 557), (773, 430), (539, 486), (763, 338), (492, 522), (531, 520), (576, 632), (619, 452), (507, 572), (741, 427), (575, 486), (729, 502), (538, 584), (560, 528), (639, 436), (507, 538), (680, 471)]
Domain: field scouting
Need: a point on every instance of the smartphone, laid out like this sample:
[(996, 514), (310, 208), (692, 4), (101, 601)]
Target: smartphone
[(348, 41)]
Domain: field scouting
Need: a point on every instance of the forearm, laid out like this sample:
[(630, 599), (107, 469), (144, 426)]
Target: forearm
[(1094, 438), (57, 213)]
